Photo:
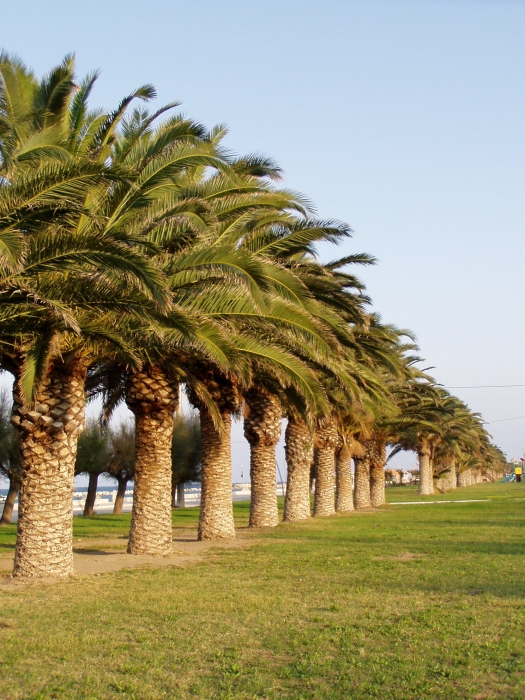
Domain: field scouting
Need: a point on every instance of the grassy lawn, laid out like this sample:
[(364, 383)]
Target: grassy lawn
[(408, 602)]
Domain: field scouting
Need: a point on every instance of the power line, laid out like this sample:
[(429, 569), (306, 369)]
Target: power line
[(502, 420), (483, 386)]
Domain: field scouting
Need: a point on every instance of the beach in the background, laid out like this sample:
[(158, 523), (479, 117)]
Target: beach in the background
[(106, 497)]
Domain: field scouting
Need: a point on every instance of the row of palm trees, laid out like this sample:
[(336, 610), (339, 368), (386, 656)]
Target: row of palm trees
[(138, 255)]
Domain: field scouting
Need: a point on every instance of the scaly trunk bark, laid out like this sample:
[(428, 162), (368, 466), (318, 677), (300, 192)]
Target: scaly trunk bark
[(7, 512), (344, 496), (462, 479), (377, 474), (121, 493), (325, 442), (48, 441), (153, 399), (216, 516), (447, 482), (426, 479), (91, 495), (299, 454), (181, 503), (262, 429), (362, 478)]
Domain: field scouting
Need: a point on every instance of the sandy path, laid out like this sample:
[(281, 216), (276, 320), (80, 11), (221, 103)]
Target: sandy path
[(99, 556)]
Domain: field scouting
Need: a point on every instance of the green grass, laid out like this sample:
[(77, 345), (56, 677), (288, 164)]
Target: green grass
[(409, 602)]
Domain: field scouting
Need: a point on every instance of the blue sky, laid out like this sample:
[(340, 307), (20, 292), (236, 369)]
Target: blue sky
[(405, 119)]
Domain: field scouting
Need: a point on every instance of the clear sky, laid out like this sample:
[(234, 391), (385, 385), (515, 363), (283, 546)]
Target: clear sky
[(403, 118)]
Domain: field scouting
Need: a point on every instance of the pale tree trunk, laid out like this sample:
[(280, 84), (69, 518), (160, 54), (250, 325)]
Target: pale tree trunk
[(325, 442), (174, 490), (362, 477), (262, 429), (452, 479), (48, 441), (91, 495), (426, 480), (377, 474), (121, 493), (9, 504), (216, 515), (299, 454), (344, 496), (181, 502), (462, 479), (152, 397)]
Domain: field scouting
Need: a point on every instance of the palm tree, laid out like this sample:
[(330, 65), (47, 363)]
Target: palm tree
[(377, 474), (348, 448), (325, 443), (153, 398), (362, 476), (299, 456), (275, 225), (44, 203), (262, 429), (216, 514), (199, 277), (421, 425), (344, 498)]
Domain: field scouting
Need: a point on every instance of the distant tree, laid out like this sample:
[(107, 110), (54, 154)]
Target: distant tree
[(93, 454), (185, 455), (390, 478), (121, 466), (9, 456)]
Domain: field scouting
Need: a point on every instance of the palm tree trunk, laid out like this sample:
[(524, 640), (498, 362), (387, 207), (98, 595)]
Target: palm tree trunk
[(344, 496), (216, 515), (362, 478), (426, 480), (262, 429), (447, 482), (377, 474), (48, 442), (7, 512), (325, 442), (462, 479), (299, 454), (153, 399), (91, 495), (121, 493)]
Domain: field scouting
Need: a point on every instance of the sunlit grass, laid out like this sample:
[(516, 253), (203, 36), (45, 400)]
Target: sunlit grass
[(408, 602)]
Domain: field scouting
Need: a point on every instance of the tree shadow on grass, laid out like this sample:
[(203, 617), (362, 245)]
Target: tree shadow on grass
[(95, 551)]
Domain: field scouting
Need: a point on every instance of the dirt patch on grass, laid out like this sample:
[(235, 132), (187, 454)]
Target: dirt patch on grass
[(93, 556), (405, 556)]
